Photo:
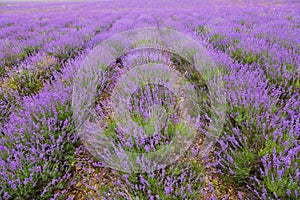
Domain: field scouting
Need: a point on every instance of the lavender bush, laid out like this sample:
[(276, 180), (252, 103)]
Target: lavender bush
[(254, 45)]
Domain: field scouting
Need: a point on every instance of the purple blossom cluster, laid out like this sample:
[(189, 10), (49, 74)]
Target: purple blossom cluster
[(38, 144), (256, 46)]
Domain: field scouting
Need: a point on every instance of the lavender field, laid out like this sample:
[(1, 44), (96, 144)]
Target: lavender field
[(246, 103)]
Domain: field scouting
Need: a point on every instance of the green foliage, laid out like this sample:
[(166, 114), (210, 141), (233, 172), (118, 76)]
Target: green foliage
[(64, 53), (148, 126), (26, 82), (182, 175), (245, 57), (201, 29), (216, 37)]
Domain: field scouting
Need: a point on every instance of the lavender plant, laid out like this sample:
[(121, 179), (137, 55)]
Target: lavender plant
[(257, 47)]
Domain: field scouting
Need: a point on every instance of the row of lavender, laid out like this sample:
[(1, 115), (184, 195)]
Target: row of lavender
[(258, 153)]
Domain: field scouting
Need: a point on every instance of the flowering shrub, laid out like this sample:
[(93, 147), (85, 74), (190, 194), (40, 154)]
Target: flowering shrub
[(256, 48), (184, 180)]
